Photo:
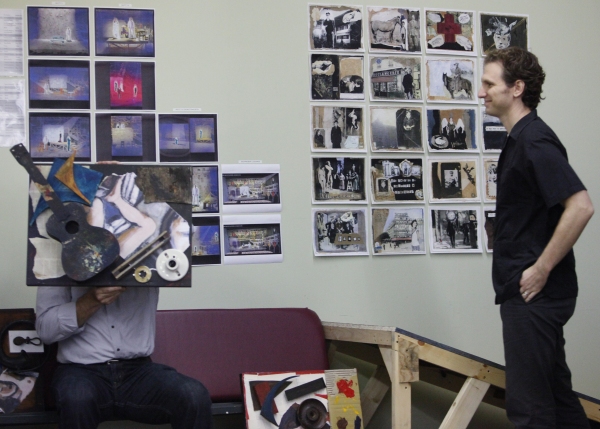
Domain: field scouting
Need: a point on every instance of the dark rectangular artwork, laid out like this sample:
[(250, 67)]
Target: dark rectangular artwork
[(128, 85), (206, 240), (338, 180), (188, 138), (500, 31), (494, 133), (58, 135), (124, 32), (58, 31), (396, 129), (126, 137), (451, 130), (337, 77), (59, 84), (124, 204), (397, 180)]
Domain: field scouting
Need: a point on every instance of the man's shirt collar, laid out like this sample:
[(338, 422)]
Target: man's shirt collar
[(523, 122)]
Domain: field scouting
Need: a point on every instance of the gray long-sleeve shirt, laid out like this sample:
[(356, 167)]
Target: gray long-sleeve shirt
[(124, 329)]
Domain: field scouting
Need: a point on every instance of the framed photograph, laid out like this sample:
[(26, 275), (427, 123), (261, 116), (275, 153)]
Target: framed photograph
[(205, 189), (58, 31), (397, 180), (455, 230), (124, 32), (337, 77), (340, 232), (453, 179), (252, 239), (59, 84), (499, 31), (493, 132), (251, 188), (396, 129), (337, 129), (398, 230), (136, 203), (58, 135), (206, 240), (335, 27), (451, 80), (126, 85), (450, 32), (396, 78), (338, 180), (490, 169), (188, 137), (126, 137), (452, 130), (394, 29), (489, 214)]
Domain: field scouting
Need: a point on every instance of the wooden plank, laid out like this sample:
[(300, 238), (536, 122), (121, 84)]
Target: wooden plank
[(466, 403), (401, 392), (461, 364), (373, 393), (387, 355), (591, 409), (358, 333), (401, 405), (408, 355), (453, 382)]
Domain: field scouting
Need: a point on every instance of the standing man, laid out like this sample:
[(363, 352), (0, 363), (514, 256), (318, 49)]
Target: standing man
[(541, 209), (336, 136), (329, 30), (407, 84), (105, 336)]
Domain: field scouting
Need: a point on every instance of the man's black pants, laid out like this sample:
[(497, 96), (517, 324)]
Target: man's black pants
[(539, 393)]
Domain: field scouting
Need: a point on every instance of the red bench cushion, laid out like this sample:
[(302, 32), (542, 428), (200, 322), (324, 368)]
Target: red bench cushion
[(216, 346)]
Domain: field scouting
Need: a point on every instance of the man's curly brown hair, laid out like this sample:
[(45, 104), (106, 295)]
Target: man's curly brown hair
[(519, 64)]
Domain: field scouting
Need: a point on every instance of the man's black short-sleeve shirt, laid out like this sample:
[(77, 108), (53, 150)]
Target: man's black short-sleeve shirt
[(534, 177)]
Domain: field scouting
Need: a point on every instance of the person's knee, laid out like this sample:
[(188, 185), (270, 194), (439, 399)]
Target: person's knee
[(195, 394), (75, 393)]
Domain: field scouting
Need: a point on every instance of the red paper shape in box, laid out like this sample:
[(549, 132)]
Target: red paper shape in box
[(262, 390)]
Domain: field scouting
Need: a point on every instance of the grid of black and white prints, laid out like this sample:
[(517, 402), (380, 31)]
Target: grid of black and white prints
[(403, 155)]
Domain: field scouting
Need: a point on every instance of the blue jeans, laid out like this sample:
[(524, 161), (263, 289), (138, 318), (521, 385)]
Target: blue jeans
[(538, 381), (137, 390)]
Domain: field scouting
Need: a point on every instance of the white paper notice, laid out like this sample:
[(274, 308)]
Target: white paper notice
[(12, 112), (11, 42)]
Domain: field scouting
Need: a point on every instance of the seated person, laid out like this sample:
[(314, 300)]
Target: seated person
[(105, 336)]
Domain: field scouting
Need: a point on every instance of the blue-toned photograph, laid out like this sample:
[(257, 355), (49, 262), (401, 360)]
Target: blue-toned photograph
[(205, 189), (59, 84), (206, 241), (58, 135), (188, 138), (126, 133), (124, 32), (58, 31)]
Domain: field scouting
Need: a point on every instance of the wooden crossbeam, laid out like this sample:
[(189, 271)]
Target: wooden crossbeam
[(464, 406)]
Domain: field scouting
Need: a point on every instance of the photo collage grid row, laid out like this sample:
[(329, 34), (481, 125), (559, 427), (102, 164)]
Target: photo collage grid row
[(397, 133)]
